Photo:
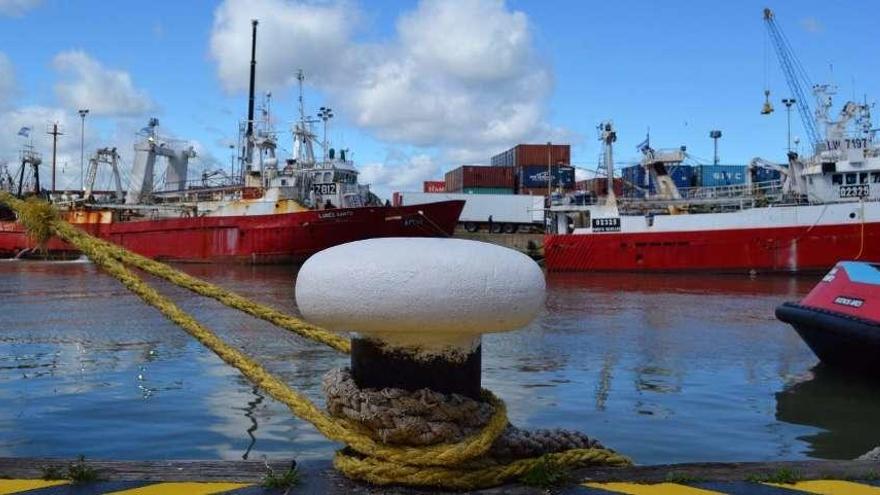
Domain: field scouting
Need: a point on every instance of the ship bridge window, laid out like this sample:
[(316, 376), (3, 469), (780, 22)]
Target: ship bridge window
[(346, 178), (875, 177), (851, 178), (837, 179), (863, 178)]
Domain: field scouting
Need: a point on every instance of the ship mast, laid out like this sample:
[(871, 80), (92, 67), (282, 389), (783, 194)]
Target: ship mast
[(608, 136), (249, 134), (303, 150), (300, 77)]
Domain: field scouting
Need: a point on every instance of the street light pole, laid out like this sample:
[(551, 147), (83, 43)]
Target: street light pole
[(715, 135), (788, 102), (231, 161), (82, 147), (325, 114)]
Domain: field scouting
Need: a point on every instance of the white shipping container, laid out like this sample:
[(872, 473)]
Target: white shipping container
[(504, 208)]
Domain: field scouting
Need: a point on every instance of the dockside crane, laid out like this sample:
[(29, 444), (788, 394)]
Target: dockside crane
[(795, 76)]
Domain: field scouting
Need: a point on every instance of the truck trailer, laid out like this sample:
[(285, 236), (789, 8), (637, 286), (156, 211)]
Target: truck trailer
[(509, 213)]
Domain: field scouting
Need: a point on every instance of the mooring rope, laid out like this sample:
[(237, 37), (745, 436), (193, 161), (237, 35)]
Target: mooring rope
[(459, 465)]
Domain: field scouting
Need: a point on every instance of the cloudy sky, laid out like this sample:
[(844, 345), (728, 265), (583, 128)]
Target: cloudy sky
[(419, 87)]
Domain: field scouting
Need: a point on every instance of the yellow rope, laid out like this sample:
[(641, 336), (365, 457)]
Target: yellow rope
[(456, 466), (37, 216), (465, 477), (231, 299)]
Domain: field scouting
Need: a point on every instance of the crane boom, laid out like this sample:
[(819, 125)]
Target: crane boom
[(795, 76)]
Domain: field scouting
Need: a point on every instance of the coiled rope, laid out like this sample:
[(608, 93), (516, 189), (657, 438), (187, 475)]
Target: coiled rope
[(461, 465)]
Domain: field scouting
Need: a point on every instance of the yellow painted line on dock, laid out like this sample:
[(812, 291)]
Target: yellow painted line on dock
[(15, 486), (830, 487), (655, 489), (182, 489)]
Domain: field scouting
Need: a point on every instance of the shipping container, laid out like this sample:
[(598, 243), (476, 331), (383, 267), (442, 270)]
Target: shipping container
[(635, 178), (599, 186), (720, 175), (434, 186), (504, 159), (765, 175), (682, 175), (536, 176), (533, 154), (467, 176)]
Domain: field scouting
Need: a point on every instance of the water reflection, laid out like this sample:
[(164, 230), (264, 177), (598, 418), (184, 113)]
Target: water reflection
[(845, 408), (690, 362), (249, 413)]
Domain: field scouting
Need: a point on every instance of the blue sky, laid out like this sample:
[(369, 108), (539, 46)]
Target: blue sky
[(560, 68)]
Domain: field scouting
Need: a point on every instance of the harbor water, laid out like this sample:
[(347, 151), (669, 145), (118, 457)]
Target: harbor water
[(664, 368)]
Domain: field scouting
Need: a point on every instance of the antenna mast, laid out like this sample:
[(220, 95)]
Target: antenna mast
[(300, 77), (54, 132), (250, 118)]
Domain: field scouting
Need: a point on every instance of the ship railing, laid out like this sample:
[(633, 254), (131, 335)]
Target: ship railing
[(200, 192), (764, 189)]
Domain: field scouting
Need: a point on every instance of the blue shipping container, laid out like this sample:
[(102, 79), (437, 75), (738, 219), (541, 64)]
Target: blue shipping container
[(536, 176), (720, 175), (766, 175), (634, 176), (682, 175)]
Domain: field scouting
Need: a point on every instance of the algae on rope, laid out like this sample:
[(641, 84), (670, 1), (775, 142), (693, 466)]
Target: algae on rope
[(37, 216), (460, 465)]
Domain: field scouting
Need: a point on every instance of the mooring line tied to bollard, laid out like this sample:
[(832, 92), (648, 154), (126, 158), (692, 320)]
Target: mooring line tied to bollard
[(480, 458)]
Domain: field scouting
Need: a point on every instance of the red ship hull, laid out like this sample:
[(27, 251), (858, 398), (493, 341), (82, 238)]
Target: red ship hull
[(779, 249), (254, 239)]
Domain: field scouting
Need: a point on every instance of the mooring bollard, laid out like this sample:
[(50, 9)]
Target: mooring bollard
[(419, 306)]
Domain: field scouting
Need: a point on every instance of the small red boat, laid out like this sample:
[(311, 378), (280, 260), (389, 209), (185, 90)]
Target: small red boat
[(840, 318)]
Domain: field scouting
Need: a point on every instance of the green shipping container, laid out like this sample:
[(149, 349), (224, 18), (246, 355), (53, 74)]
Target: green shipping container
[(487, 190)]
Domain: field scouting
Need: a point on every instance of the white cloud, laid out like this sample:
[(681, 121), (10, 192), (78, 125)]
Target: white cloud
[(291, 36), (7, 79), (467, 40), (91, 85), (121, 135), (458, 77), (15, 8), (400, 172), (39, 118)]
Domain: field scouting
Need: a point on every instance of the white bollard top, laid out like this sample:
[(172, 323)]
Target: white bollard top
[(428, 288)]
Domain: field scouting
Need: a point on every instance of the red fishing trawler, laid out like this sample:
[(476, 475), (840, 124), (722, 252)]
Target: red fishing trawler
[(822, 209), (265, 212), (819, 210)]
